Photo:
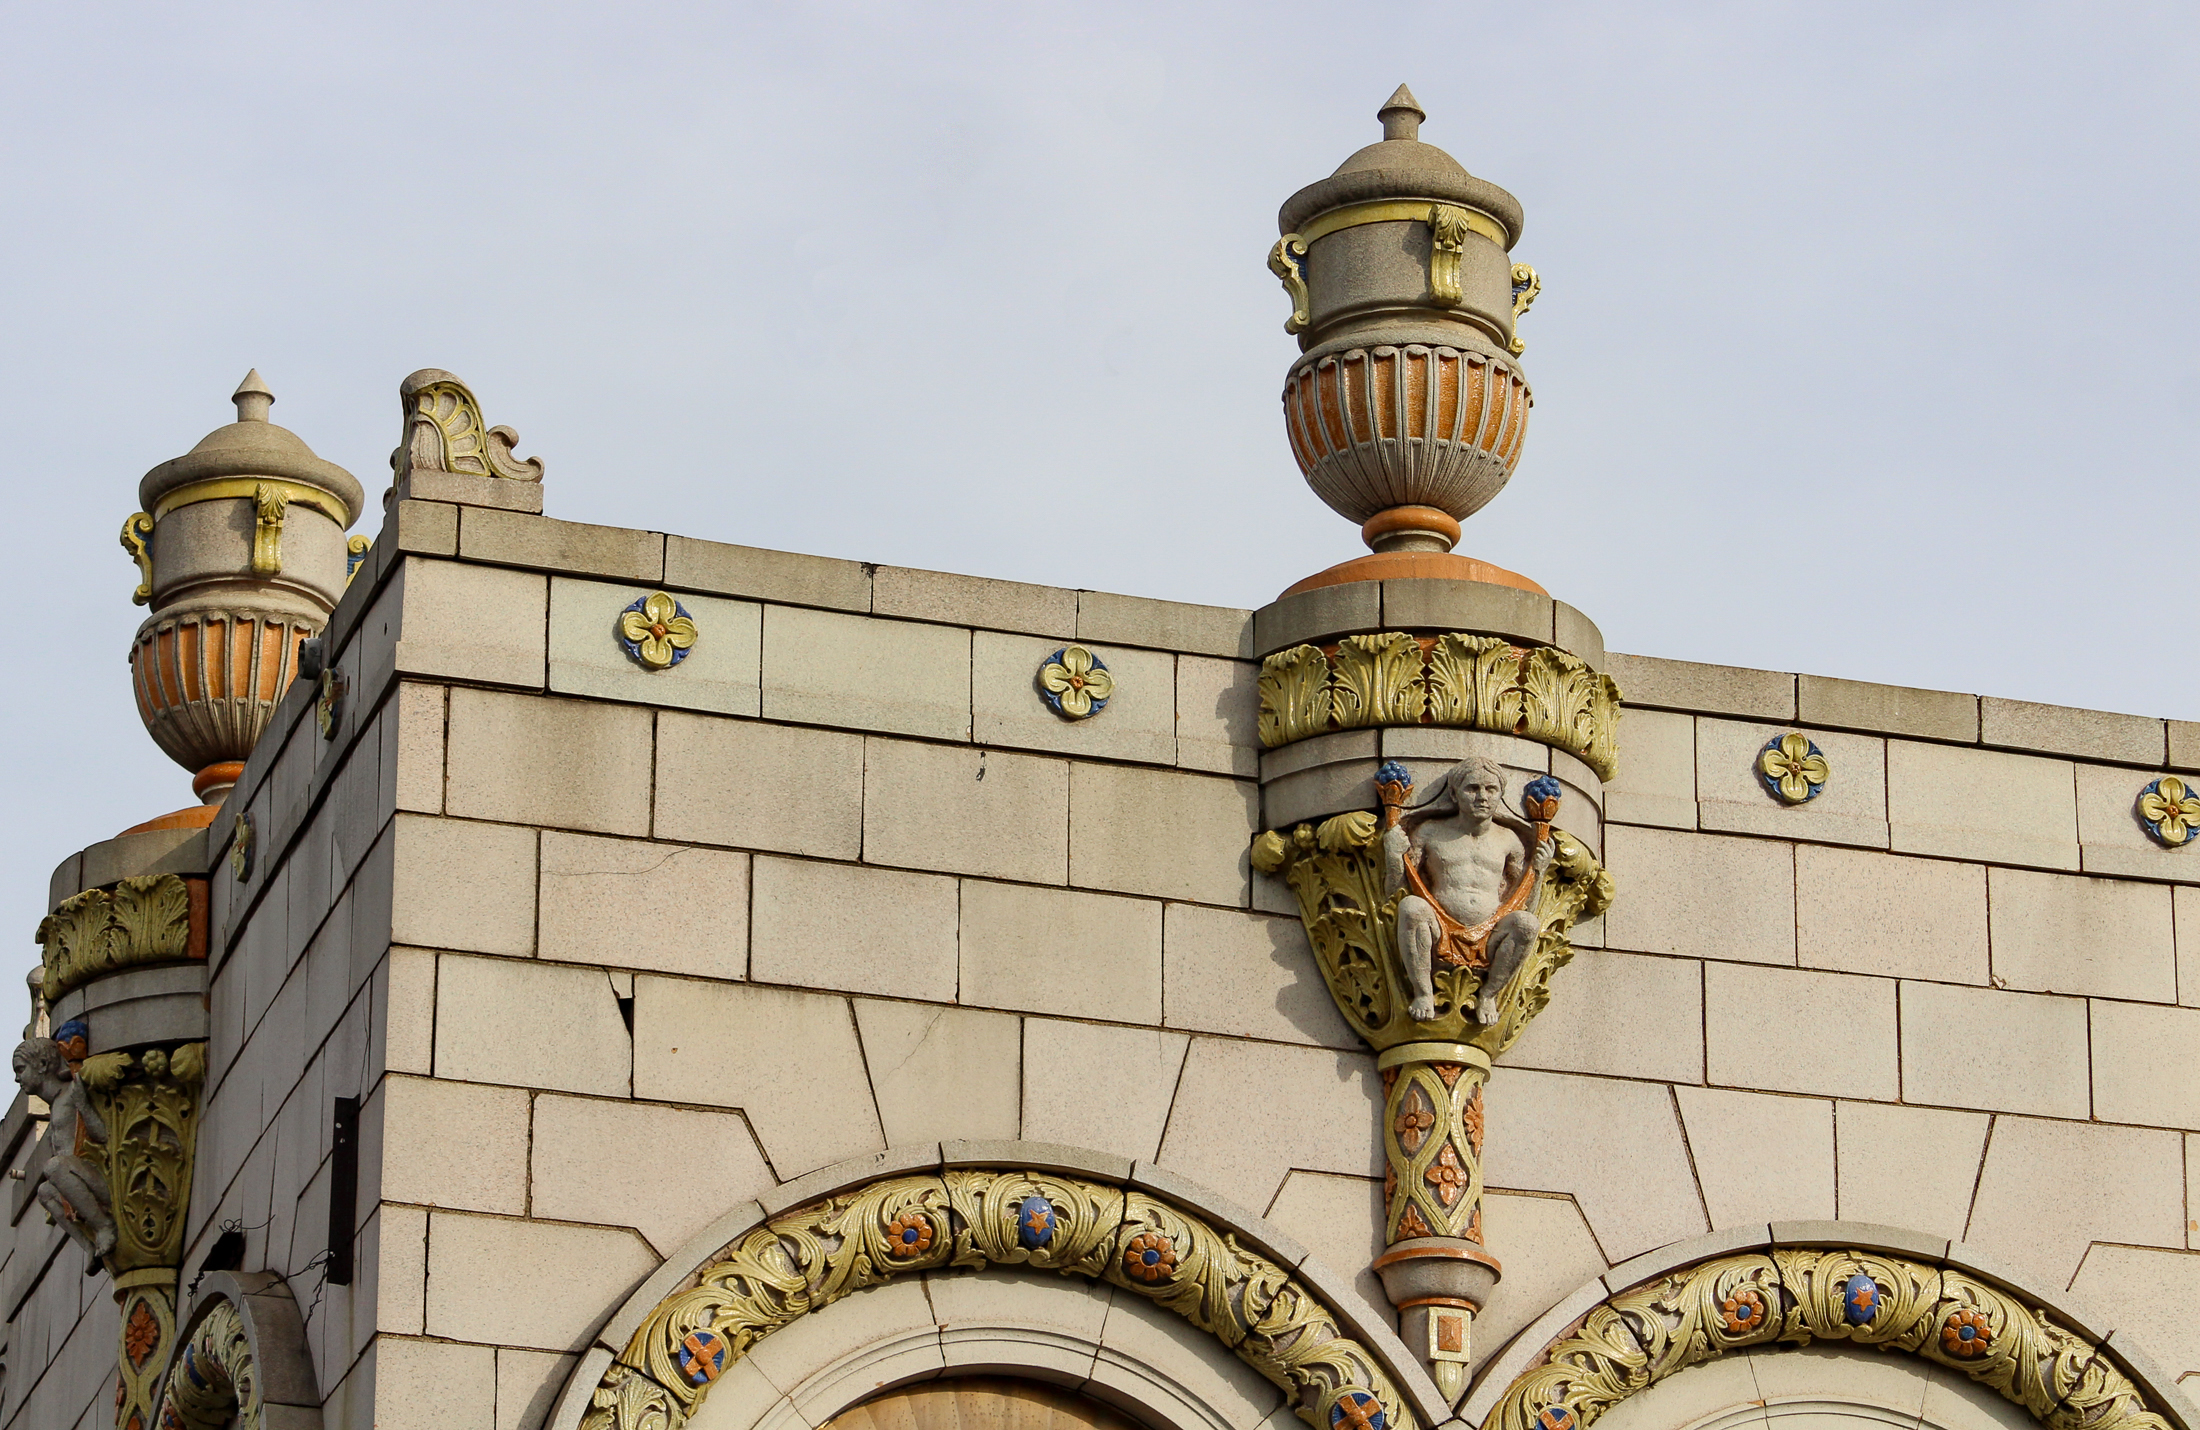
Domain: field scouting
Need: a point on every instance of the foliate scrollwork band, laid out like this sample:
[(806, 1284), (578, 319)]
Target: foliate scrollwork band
[(1792, 1296), (145, 919), (809, 1258), (1462, 681)]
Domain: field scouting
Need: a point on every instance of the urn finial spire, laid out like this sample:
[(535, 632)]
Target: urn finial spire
[(252, 398), (1401, 115)]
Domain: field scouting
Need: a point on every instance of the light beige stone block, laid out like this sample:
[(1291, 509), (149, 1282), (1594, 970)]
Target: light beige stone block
[(861, 930), (458, 884), (2002, 1052), (419, 783), (1340, 1220), (2111, 840), (1106, 1088), (2043, 1196), (1760, 1158), (1614, 1146), (759, 786), (974, 601), (1247, 975), (1687, 685), (1440, 604), (722, 671), (400, 1268), (1323, 613), (634, 904), (1620, 1014), (585, 1166), (529, 1025), (725, 1044), (433, 1385), (454, 1144), (485, 1278), (1218, 715), (1912, 1167), (1887, 709), (2192, 1179), (858, 673), (2136, 1075), (523, 759), (966, 811), (1137, 723), (1851, 809), (476, 623), (2063, 730), (1247, 1113), (2131, 1276), (1791, 1031), (1164, 625), (1175, 836), (939, 1074), (1702, 895), (1656, 783), (1898, 1385), (528, 1383), (1058, 951), (801, 1353), (541, 543), (1890, 915), (2056, 934), (2185, 904), (409, 1012), (1000, 1319), (1982, 804), (783, 576), (1548, 1251)]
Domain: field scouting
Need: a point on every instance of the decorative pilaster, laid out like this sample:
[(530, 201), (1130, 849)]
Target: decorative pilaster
[(149, 1102)]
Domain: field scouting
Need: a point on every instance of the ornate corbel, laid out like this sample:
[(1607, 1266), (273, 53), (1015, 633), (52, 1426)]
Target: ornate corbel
[(137, 536), (1287, 260), (270, 500), (1448, 230), (1527, 286), (1434, 1031), (149, 1103)]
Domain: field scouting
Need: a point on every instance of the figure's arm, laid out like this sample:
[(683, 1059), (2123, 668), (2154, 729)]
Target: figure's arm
[(1396, 844), (94, 1129)]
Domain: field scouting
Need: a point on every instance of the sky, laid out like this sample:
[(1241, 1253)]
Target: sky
[(1864, 345)]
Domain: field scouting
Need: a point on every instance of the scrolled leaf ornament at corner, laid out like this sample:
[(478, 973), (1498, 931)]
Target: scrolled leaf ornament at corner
[(1527, 286), (2170, 811), (1793, 1296), (814, 1256), (1793, 768), (1287, 260), (1075, 683), (656, 631), (137, 538)]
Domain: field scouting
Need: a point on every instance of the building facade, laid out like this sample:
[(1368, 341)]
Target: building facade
[(618, 980)]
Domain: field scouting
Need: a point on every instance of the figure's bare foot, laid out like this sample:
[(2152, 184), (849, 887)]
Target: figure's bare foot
[(1485, 1008), (1421, 1009), (103, 1244)]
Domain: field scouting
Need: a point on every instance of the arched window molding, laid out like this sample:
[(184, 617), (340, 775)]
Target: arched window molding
[(241, 1359)]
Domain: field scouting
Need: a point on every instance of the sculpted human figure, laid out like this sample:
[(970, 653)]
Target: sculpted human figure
[(1467, 866), (71, 1189)]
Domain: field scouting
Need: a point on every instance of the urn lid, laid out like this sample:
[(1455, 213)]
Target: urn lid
[(1400, 166), (252, 447)]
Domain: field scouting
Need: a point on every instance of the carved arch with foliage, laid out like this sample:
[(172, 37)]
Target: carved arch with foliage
[(242, 1352)]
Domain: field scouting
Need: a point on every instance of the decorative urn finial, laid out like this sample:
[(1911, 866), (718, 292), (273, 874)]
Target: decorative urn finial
[(1407, 407), (241, 554)]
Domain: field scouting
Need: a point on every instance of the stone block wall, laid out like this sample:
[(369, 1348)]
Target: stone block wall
[(607, 952)]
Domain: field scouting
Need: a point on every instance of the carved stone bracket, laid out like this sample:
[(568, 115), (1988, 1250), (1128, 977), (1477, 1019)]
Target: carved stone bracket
[(1462, 681), (1038, 1221), (159, 918), (1435, 1268)]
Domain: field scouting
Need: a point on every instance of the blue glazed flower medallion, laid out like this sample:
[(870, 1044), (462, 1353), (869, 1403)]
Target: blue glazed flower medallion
[(1356, 1410), (702, 1357), (1035, 1222), (1555, 1417), (1075, 683), (1860, 1299), (656, 631)]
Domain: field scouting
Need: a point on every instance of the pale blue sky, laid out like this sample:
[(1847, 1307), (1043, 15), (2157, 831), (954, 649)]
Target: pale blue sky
[(1864, 348)]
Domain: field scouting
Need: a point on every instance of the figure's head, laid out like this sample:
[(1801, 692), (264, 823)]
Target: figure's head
[(1477, 785), (39, 1065)]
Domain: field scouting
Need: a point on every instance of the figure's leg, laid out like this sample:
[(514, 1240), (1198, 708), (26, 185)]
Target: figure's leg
[(1417, 933), (95, 1227), (1510, 943)]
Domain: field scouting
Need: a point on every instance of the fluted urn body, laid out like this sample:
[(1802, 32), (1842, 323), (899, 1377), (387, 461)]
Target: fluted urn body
[(243, 555), (1408, 407)]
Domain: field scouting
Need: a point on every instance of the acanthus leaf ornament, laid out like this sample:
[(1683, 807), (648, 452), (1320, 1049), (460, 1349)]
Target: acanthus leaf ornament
[(1793, 768), (270, 502), (1075, 683), (2170, 811), (445, 432), (1448, 231), (656, 631)]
